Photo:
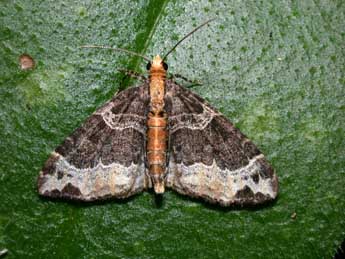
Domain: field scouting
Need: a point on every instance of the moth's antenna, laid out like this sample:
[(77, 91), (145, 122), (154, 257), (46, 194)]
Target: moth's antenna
[(185, 37), (117, 49)]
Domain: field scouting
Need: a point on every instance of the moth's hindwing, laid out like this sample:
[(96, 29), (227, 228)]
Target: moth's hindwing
[(210, 158), (103, 158)]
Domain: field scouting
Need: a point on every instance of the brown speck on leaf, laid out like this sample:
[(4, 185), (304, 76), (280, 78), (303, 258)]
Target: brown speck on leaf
[(294, 215), (26, 62)]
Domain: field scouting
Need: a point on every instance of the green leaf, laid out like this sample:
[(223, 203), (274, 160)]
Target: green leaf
[(275, 68)]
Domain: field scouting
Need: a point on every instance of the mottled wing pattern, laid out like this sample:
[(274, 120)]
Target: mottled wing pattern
[(210, 158), (105, 157)]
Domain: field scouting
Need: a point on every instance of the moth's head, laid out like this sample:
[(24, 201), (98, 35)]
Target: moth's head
[(157, 64)]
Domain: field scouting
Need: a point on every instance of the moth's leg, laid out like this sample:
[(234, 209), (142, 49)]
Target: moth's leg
[(132, 74), (192, 82)]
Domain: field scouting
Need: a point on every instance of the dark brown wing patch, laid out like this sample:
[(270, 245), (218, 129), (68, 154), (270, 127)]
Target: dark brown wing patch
[(212, 159), (104, 157)]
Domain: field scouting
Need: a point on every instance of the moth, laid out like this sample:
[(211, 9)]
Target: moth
[(158, 135)]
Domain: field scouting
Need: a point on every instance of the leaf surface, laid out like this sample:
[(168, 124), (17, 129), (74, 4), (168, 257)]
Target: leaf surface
[(274, 68)]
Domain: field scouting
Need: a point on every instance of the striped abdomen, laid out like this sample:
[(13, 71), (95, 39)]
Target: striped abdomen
[(157, 148)]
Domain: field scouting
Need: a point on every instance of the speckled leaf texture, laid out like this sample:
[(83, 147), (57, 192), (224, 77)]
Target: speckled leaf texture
[(274, 68)]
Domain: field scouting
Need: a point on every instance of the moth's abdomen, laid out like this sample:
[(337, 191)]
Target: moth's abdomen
[(157, 148)]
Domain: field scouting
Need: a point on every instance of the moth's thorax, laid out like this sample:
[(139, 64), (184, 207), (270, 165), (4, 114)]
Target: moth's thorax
[(157, 126), (157, 84)]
